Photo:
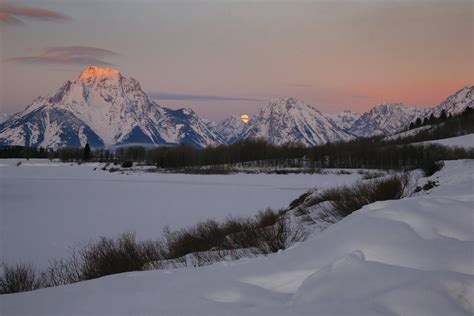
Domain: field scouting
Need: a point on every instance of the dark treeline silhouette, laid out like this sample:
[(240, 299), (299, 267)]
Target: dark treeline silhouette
[(442, 127), (371, 153), (430, 120), (24, 152)]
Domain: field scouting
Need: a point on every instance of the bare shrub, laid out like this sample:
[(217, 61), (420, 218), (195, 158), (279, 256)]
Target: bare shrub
[(18, 278), (299, 200), (267, 218), (268, 232), (347, 199), (203, 236), (202, 244), (63, 271), (279, 236), (109, 256)]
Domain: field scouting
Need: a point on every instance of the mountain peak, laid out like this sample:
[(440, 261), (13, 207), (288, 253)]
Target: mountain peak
[(288, 120), (387, 105), (284, 101), (92, 73)]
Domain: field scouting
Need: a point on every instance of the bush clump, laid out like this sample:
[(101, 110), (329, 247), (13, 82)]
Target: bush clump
[(127, 164), (19, 278), (108, 256), (267, 232), (347, 199)]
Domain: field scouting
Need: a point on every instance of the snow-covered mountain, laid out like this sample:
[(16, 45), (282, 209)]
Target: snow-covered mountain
[(384, 119), (345, 119), (388, 119), (454, 104), (229, 129), (4, 117), (287, 120), (102, 107)]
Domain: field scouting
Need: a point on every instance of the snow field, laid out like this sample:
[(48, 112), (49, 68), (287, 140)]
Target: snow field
[(404, 257)]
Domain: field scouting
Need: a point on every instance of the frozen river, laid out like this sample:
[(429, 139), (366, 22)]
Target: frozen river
[(46, 208)]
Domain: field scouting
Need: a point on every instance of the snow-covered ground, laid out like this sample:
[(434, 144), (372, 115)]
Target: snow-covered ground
[(413, 256), (466, 141), (408, 133), (46, 208)]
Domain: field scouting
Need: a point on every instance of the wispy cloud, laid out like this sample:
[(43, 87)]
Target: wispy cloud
[(13, 14), (359, 96), (196, 97), (68, 55), (300, 85)]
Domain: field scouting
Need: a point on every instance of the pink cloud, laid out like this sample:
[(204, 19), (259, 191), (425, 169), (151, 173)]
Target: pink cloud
[(70, 55), (12, 14)]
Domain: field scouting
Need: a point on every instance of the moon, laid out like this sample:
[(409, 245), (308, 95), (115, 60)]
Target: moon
[(244, 118)]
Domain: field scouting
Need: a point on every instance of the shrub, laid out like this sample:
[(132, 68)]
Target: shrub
[(279, 236), (267, 218), (209, 241), (431, 167), (108, 256), (268, 232), (18, 278), (63, 271), (201, 237), (345, 200), (299, 200), (127, 164)]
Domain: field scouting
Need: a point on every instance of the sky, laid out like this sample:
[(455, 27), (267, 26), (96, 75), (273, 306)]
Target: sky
[(224, 57)]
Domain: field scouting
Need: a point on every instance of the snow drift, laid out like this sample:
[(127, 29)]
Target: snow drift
[(403, 257)]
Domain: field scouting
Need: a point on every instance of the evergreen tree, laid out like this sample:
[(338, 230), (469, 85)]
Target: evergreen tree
[(443, 116), (87, 153), (418, 122), (432, 118)]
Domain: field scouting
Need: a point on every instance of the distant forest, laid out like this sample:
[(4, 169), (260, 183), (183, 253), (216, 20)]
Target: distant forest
[(374, 152)]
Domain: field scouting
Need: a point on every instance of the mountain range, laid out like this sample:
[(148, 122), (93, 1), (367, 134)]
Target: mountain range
[(104, 108)]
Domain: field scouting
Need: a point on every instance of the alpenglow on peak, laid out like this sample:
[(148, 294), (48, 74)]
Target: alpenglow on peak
[(95, 72)]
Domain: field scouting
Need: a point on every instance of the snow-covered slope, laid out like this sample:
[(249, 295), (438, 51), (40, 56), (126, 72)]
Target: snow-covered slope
[(403, 257), (411, 132), (455, 104), (48, 127), (230, 129), (464, 141), (111, 106), (384, 119), (4, 117), (288, 120), (345, 119)]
